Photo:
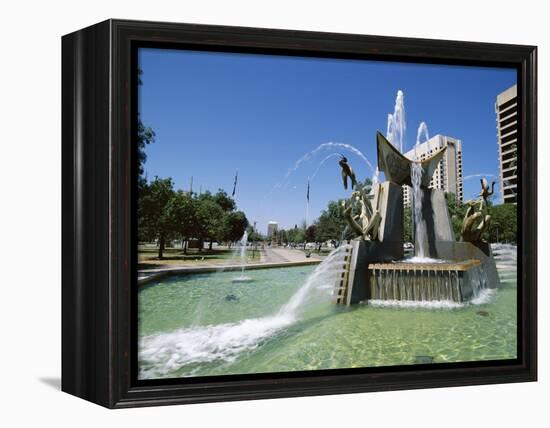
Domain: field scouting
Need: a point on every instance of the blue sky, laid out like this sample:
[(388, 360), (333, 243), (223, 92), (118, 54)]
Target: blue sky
[(215, 113)]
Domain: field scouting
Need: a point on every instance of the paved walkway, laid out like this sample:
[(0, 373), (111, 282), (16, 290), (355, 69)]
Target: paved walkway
[(281, 255), (271, 257)]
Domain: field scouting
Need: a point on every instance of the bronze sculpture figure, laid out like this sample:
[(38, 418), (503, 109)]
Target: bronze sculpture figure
[(477, 210), (347, 171)]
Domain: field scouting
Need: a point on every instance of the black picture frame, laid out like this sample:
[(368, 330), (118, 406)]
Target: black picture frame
[(99, 197)]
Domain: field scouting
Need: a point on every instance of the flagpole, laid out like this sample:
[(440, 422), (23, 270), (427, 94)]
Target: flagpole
[(307, 202), (235, 184)]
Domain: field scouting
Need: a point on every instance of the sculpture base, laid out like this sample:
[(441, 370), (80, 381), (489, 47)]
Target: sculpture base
[(401, 281), (376, 270)]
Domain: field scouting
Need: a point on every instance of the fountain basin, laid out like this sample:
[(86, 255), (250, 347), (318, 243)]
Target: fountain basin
[(457, 281)]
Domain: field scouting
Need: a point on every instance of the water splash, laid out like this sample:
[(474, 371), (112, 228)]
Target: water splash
[(397, 125), (161, 354), (418, 304), (505, 256), (427, 289), (421, 260), (421, 240), (243, 258)]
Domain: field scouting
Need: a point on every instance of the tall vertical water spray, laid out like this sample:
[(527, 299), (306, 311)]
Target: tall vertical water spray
[(421, 240), (242, 258), (396, 123), (416, 179)]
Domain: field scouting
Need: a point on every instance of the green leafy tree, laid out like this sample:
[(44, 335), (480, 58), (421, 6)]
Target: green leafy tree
[(284, 236), (253, 235), (181, 212), (233, 226), (145, 136), (331, 223), (311, 233), (225, 201), (154, 222), (503, 224), (221, 198), (209, 222), (407, 224), (296, 235)]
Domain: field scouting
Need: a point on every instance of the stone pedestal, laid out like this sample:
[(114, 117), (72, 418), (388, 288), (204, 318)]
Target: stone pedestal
[(436, 220), (457, 251), (389, 197), (388, 247)]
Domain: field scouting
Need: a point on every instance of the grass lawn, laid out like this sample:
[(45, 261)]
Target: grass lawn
[(148, 257)]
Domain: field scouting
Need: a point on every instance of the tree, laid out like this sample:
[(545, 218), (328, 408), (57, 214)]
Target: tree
[(365, 185), (331, 223), (181, 212), (253, 235), (407, 224), (296, 235), (145, 136), (311, 233), (209, 220), (233, 226), (153, 219), (503, 224), (224, 201), (221, 198)]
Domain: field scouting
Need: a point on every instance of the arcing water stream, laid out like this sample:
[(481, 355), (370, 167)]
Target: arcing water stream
[(422, 131)]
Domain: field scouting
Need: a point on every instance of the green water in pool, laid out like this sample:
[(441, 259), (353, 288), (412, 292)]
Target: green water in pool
[(206, 324)]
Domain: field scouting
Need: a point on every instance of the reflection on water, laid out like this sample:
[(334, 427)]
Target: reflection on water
[(188, 326)]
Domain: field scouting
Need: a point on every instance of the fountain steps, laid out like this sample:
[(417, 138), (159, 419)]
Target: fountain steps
[(341, 290)]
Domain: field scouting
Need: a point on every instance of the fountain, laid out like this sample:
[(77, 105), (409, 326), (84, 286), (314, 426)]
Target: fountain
[(243, 258), (397, 123), (442, 269)]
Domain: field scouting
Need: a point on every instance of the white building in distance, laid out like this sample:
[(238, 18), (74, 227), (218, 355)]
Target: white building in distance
[(272, 230), (448, 174), (506, 109)]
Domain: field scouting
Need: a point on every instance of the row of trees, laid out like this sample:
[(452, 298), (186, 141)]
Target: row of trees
[(165, 214), (331, 224), (502, 228)]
